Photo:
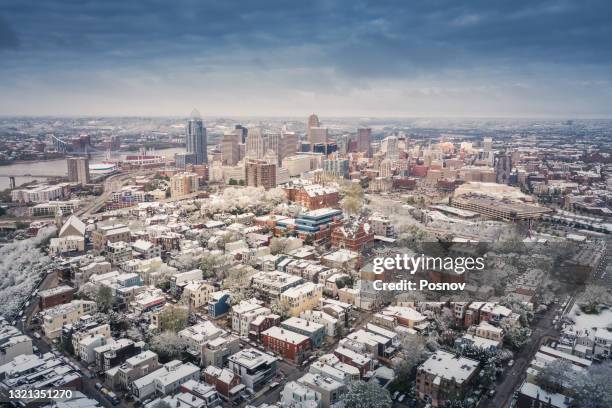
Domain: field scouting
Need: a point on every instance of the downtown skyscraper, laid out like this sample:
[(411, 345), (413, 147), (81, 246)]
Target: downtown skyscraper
[(257, 144), (313, 122), (196, 140)]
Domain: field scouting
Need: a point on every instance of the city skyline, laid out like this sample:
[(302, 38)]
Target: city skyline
[(478, 59), (373, 203)]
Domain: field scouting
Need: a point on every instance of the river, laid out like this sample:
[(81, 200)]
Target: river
[(57, 167)]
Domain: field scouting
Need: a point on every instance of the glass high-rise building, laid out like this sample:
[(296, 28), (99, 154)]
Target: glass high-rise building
[(196, 138)]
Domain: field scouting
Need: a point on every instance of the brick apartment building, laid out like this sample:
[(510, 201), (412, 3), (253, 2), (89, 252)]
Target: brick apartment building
[(313, 196), (55, 296), (445, 377), (290, 345), (261, 324), (223, 379), (355, 235), (260, 173)]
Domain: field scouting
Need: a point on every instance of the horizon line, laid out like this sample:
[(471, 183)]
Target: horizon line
[(362, 117)]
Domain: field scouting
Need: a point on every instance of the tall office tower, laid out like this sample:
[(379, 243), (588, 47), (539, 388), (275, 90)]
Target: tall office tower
[(242, 132), (257, 144), (260, 173), (503, 168), (274, 146), (196, 138), (486, 156), (289, 144), (78, 170), (386, 168), (403, 167), (364, 139), (318, 135), (392, 147), (313, 121), (345, 143), (230, 147), (242, 151), (283, 144), (487, 144)]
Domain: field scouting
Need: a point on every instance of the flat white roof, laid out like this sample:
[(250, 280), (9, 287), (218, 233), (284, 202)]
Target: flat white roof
[(449, 366), (285, 335), (303, 324)]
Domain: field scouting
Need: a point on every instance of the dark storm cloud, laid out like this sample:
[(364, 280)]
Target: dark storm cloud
[(555, 49), (8, 38), (358, 37)]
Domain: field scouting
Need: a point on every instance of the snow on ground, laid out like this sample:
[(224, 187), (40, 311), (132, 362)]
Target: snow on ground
[(585, 321), (21, 262)]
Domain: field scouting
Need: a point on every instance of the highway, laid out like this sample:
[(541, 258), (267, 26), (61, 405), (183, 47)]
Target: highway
[(111, 184)]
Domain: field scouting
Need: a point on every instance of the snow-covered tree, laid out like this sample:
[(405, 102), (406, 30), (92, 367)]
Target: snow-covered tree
[(288, 209), (352, 203), (518, 307), (280, 308), (21, 262), (411, 354), (555, 376), (213, 264), (277, 245), (516, 335), (173, 318), (134, 333), (513, 245), (233, 199), (167, 345), (593, 298), (88, 291), (592, 388), (104, 298), (366, 395), (239, 278), (444, 320)]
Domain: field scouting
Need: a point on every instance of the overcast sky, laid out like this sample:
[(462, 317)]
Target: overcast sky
[(408, 58)]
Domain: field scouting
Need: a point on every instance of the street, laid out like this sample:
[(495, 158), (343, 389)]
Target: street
[(514, 376), (89, 389)]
